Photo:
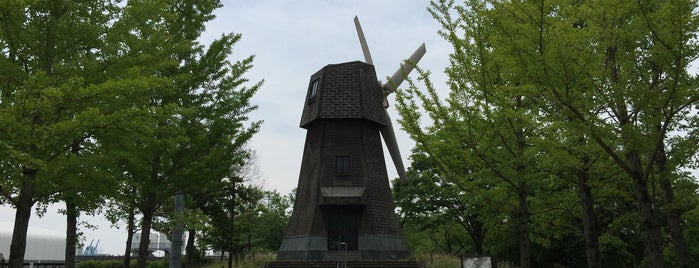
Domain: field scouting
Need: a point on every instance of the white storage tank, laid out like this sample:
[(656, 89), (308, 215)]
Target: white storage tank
[(157, 241)]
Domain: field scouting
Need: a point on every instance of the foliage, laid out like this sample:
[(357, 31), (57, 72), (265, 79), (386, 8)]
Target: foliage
[(438, 260), (256, 262), (567, 124), (258, 224), (103, 95), (270, 223), (437, 207), (53, 99), (99, 264), (190, 128), (118, 263)]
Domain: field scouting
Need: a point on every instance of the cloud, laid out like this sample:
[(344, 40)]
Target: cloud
[(293, 39)]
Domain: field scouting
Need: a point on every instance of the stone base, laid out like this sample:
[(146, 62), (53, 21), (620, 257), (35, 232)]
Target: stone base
[(370, 247)]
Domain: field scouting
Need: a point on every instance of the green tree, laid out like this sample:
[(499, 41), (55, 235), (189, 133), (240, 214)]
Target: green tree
[(270, 223), (191, 128), (242, 219), (439, 206), (223, 211), (609, 74), (130, 83), (491, 122), (621, 70), (54, 61), (121, 206), (488, 145), (84, 183)]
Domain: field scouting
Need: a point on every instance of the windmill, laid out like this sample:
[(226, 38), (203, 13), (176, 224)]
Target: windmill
[(343, 199)]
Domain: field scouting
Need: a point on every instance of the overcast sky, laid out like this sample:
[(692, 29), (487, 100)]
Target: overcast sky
[(292, 39)]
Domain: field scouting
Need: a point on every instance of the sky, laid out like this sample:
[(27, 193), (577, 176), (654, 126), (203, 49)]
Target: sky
[(292, 39)]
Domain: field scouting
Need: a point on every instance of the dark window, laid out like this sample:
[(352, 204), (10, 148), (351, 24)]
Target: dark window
[(314, 91), (342, 165)]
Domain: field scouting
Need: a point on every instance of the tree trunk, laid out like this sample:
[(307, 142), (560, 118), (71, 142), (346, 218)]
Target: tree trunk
[(524, 240), (189, 249), (71, 219), (22, 214), (474, 228), (522, 189), (249, 249), (672, 214), (130, 226), (674, 220), (478, 236), (146, 223), (232, 247), (71, 232), (649, 225), (633, 167), (589, 217)]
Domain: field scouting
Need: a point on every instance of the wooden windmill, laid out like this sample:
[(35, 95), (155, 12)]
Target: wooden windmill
[(343, 200)]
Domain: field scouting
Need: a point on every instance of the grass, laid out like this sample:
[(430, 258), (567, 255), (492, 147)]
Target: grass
[(259, 260), (438, 260)]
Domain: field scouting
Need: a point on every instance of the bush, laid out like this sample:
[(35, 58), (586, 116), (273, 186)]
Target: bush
[(259, 260), (158, 264), (101, 264), (437, 260), (120, 264)]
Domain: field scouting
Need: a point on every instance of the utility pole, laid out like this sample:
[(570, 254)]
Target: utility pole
[(176, 247)]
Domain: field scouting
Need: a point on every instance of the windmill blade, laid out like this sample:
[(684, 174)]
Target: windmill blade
[(389, 137), (405, 69), (362, 41)]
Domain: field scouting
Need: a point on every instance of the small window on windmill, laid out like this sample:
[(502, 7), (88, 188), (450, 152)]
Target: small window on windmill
[(314, 91), (342, 165)]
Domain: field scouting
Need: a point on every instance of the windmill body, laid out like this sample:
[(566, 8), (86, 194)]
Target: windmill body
[(343, 199), (343, 195)]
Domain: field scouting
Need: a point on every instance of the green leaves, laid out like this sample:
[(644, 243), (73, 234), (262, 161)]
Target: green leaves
[(550, 98), (97, 96)]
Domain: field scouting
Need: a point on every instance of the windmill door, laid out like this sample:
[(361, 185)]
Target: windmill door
[(343, 228)]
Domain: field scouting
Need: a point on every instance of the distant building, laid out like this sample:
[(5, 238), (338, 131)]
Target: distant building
[(43, 245), (158, 242)]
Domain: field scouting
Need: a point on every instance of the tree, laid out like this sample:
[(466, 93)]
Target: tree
[(492, 123), (128, 82), (439, 206), (53, 59), (223, 211), (85, 184), (242, 219), (269, 224), (630, 79), (190, 127), (612, 76), (487, 144)]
